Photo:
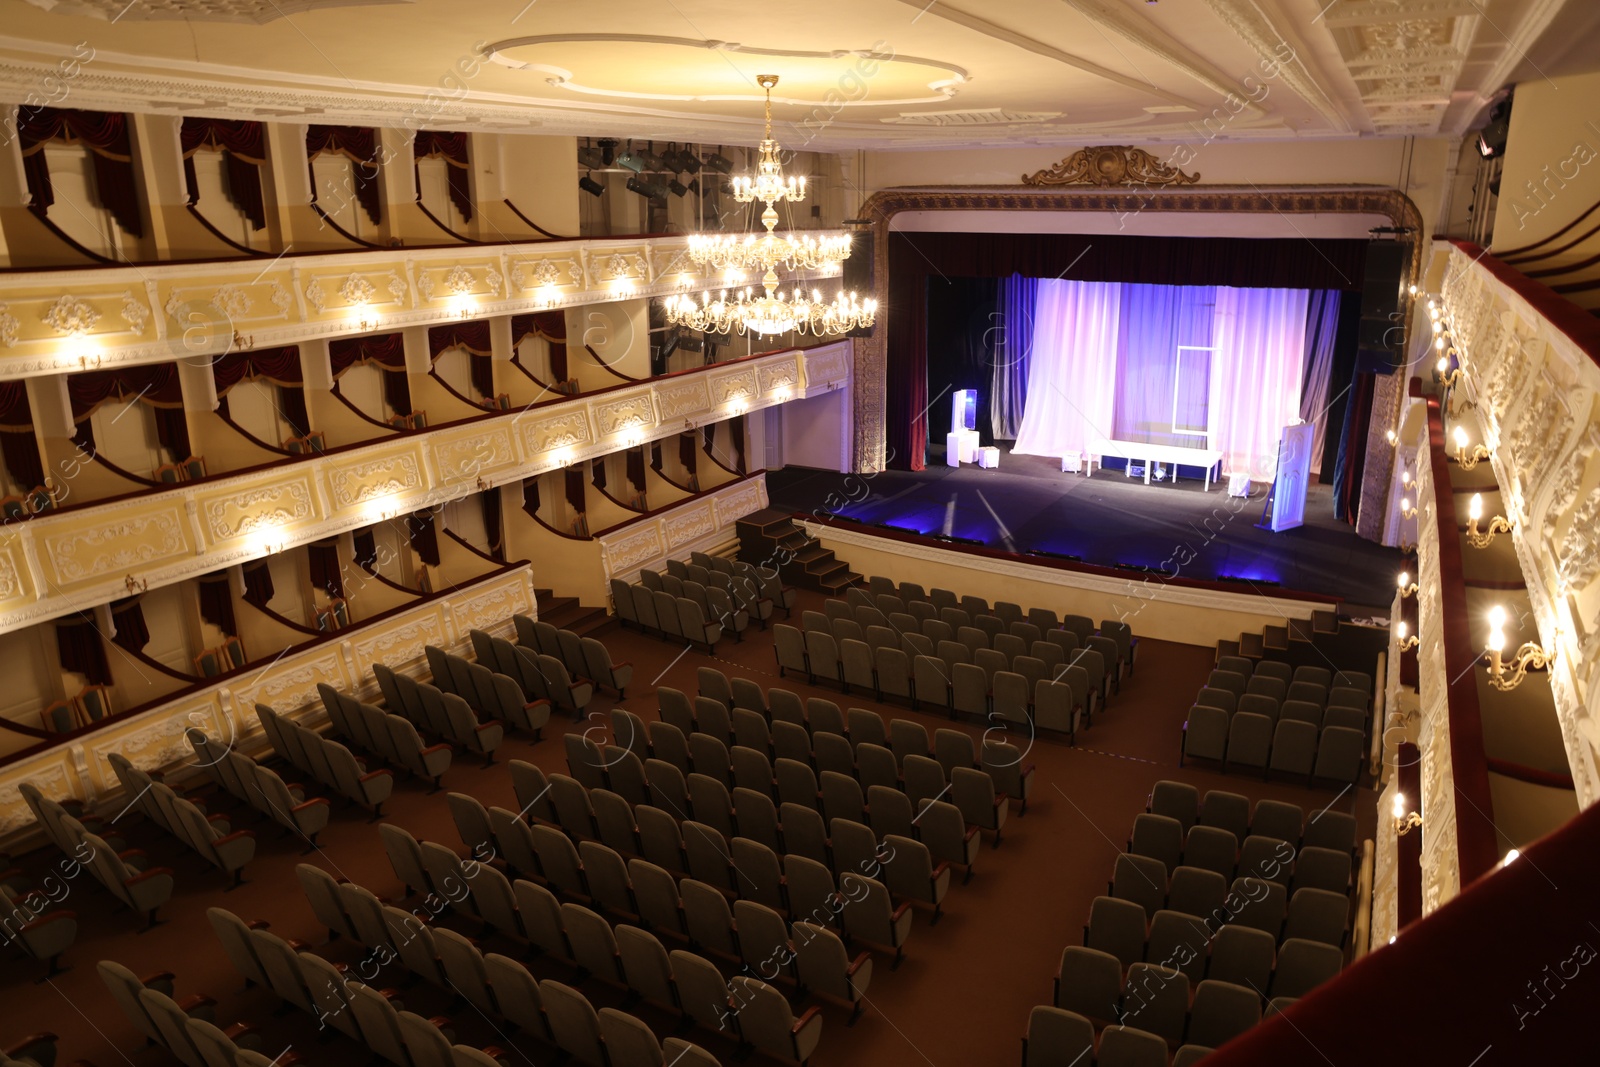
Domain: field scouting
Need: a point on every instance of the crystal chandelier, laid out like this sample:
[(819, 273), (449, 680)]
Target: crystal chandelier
[(770, 312)]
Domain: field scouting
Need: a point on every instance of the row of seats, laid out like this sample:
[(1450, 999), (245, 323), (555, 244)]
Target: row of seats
[(502, 988), (544, 680), (658, 612), (1254, 670), (1056, 1036), (705, 569), (36, 1050), (1115, 641), (582, 656), (1223, 810), (910, 593), (1289, 747), (1308, 711), (123, 871), (326, 760), (260, 787), (732, 601), (391, 737), (212, 836), (1158, 850), (442, 711), (186, 1028), (300, 977)]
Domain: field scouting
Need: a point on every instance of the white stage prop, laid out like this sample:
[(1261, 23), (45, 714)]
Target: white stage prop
[(1148, 454)]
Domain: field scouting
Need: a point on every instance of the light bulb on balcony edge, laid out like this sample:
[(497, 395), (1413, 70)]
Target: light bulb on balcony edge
[(1399, 805), (1496, 641), (1461, 437), (1400, 630), (1497, 617), (1438, 346), (1403, 580), (1413, 290), (1405, 477), (1475, 508), (1510, 856), (1405, 503)]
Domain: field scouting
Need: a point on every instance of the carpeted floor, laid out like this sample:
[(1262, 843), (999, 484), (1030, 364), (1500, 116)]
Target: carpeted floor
[(961, 999), (1027, 503)]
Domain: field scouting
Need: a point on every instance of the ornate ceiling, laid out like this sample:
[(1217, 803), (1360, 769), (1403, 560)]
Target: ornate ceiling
[(856, 73)]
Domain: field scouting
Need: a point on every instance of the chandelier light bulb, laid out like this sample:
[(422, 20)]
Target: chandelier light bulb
[(1413, 290), (1438, 344), (1405, 477)]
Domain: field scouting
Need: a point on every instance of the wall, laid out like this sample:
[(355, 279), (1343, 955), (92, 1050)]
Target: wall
[(1552, 160), (816, 432)]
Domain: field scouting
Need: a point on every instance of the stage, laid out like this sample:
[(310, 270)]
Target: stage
[(1028, 504)]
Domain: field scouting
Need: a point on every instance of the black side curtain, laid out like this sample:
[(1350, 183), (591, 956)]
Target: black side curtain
[(736, 432), (636, 468), (243, 147), (597, 471), (530, 496), (81, 650), (360, 145), (366, 550), (258, 583), (655, 457), (424, 536), (688, 455), (18, 446), (325, 571), (128, 617), (105, 135), (577, 495), (216, 603), (489, 500), (452, 148), (961, 349)]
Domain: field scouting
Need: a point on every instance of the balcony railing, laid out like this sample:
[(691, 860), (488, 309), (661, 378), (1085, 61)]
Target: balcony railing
[(56, 563), (54, 322), (225, 708)]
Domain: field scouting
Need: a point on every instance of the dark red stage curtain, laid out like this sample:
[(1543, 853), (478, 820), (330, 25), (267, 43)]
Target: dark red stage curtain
[(1509, 965), (736, 433), (577, 495), (258, 588), (597, 472), (493, 530), (635, 462), (81, 650), (325, 571), (424, 536), (530, 496), (552, 326), (243, 147), (688, 455), (452, 148), (105, 134), (216, 603), (128, 617), (18, 445), (388, 352), (155, 384), (1279, 263), (655, 457), (360, 145), (366, 550)]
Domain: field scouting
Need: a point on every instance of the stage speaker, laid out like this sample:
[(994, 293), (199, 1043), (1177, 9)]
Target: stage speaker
[(858, 271), (1381, 338)]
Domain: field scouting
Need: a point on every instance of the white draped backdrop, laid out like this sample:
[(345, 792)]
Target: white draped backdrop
[(1087, 333)]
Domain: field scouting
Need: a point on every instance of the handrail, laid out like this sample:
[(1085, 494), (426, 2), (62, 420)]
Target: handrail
[(1505, 255), (1570, 268), (548, 236), (1476, 845), (711, 454), (469, 546), (194, 209), (390, 582), (1531, 775), (1563, 314), (280, 618), (252, 438), (341, 231), (149, 483), (620, 503), (437, 222), (72, 243), (600, 362), (644, 516), (331, 636), (516, 361), (150, 661), (433, 372), (368, 418)]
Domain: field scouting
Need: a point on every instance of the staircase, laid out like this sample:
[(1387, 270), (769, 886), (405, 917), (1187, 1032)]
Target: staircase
[(770, 535), (566, 613), (1315, 642)]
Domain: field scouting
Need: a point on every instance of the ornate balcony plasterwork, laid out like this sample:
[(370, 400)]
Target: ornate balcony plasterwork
[(1535, 391), (154, 739), (54, 564), (696, 525), (54, 322)]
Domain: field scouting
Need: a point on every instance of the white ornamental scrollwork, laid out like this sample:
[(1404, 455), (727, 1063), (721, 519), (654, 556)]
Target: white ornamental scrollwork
[(10, 327), (281, 299), (459, 281), (71, 316), (121, 546), (267, 508), (357, 290), (317, 296), (232, 301), (134, 312)]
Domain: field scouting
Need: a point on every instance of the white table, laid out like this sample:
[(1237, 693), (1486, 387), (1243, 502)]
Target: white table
[(1148, 454)]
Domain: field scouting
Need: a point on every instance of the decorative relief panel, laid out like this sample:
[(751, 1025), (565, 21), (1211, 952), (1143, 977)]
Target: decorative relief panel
[(828, 365), (263, 509), (728, 388), (676, 400), (634, 412), (627, 552), (492, 608), (364, 480), (779, 376), (293, 685), (466, 456), (81, 553), (737, 503), (402, 644), (690, 524), (567, 430), (50, 777)]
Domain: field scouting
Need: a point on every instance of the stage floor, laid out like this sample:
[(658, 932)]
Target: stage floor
[(1028, 504)]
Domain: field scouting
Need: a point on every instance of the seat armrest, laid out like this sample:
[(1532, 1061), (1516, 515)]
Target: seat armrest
[(944, 866), (257, 924), (858, 963), (374, 774), (901, 910), (236, 835), (194, 1001), (238, 1030), (145, 875), (313, 802), (431, 749), (160, 981), (970, 834), (43, 1037), (801, 1023), (1001, 801)]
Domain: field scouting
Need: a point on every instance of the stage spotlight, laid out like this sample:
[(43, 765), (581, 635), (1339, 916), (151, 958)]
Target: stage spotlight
[(670, 345), (677, 187), (591, 158), (688, 161), (653, 190), (631, 160), (590, 186), (608, 150), (719, 163), (694, 187), (650, 160)]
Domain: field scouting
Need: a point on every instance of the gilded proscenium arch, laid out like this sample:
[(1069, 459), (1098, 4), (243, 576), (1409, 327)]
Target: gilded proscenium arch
[(871, 362)]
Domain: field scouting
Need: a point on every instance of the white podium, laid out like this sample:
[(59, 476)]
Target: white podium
[(960, 446)]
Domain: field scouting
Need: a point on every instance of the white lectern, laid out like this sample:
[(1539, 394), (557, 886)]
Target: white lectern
[(961, 443)]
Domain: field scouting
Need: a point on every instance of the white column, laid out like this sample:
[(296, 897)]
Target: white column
[(418, 359), (315, 365)]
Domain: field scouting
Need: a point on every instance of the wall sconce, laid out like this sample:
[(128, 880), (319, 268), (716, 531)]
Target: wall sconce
[(1412, 289), (1405, 643), (241, 342), (134, 585), (1405, 476), (1497, 525), (483, 484), (1391, 437), (1404, 821), (1467, 460), (1529, 657), (1406, 509), (1447, 378), (1404, 583)]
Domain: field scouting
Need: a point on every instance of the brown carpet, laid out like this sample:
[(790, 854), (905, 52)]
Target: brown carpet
[(961, 998)]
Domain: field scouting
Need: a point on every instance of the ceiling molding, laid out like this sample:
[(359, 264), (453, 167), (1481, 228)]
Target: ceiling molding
[(943, 10), (1252, 26), (251, 12), (1368, 12), (1151, 38)]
